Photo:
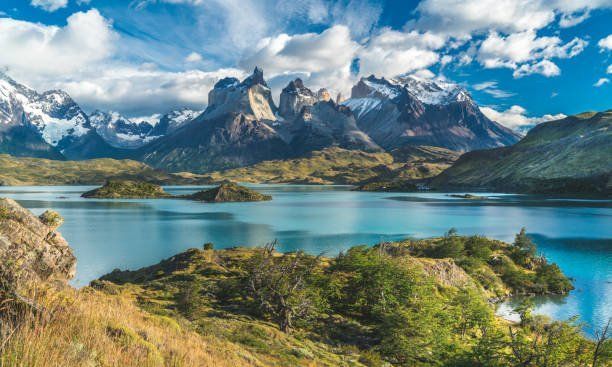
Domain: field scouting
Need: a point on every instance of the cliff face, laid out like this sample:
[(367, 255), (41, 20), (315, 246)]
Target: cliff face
[(31, 246)]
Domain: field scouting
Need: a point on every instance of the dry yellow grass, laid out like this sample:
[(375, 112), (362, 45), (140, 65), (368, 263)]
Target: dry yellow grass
[(89, 328)]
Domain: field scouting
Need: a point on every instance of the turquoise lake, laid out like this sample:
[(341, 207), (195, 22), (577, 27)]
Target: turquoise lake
[(108, 234)]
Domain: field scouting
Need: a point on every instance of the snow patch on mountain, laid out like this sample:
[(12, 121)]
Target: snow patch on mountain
[(56, 116), (432, 91)]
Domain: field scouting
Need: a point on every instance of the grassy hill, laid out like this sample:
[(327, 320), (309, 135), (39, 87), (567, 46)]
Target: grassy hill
[(35, 171), (570, 155), (341, 166)]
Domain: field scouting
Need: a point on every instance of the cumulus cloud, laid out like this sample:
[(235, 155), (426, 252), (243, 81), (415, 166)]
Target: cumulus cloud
[(609, 69), (545, 67), (516, 117), (390, 52), (518, 48), (323, 59), (50, 5), (143, 90), (601, 82), (466, 17), (32, 48), (605, 43)]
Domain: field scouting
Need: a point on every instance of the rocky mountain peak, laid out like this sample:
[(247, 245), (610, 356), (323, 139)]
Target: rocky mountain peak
[(294, 97), (251, 97), (256, 78)]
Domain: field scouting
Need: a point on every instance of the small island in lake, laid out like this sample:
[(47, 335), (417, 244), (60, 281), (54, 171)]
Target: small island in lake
[(121, 189), (468, 196), (228, 192)]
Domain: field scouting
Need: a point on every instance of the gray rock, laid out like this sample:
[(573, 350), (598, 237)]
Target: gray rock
[(32, 247)]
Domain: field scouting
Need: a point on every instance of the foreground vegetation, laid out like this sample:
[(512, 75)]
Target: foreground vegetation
[(408, 303), (35, 171)]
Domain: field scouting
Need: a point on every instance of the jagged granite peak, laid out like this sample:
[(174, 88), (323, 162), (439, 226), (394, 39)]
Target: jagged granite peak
[(294, 97), (418, 111), (42, 254), (251, 97), (323, 95), (256, 78), (327, 124)]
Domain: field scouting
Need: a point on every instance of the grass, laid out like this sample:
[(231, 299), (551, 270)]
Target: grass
[(90, 328), (341, 166), (35, 171)]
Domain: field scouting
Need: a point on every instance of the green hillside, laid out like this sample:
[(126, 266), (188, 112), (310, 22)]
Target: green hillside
[(567, 156)]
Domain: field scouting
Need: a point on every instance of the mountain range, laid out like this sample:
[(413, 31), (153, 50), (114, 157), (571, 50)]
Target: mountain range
[(242, 125)]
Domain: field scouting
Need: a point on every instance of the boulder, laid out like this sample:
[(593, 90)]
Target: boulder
[(30, 247)]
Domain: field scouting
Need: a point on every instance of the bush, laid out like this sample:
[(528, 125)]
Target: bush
[(208, 246), (451, 246)]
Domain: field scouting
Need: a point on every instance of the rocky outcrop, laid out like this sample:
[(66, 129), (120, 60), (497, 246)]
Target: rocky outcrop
[(294, 97), (127, 190), (228, 192), (31, 248)]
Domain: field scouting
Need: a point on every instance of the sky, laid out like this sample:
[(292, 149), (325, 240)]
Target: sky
[(523, 61)]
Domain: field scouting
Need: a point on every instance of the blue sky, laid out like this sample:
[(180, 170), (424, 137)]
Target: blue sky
[(524, 61)]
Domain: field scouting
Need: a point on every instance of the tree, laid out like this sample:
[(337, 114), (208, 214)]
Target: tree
[(451, 245), (375, 283), (280, 285), (524, 250), (603, 347)]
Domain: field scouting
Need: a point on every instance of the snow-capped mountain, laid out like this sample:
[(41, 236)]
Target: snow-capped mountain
[(121, 132), (170, 122), (18, 136), (417, 111), (56, 117)]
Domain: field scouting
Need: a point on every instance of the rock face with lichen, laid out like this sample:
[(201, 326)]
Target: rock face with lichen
[(30, 245)]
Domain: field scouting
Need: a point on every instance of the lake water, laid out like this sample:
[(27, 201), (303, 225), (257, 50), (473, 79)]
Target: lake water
[(108, 234)]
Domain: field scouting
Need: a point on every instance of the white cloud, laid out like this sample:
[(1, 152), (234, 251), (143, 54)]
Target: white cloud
[(142, 90), (605, 43), (390, 52), (515, 117), (601, 82), (32, 48), (322, 59), (193, 57), (499, 51), (544, 67), (609, 69), (491, 88), (49, 5), (467, 17)]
